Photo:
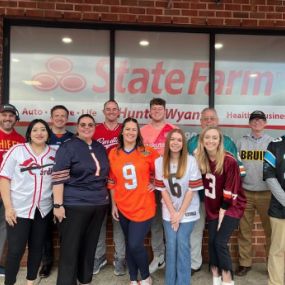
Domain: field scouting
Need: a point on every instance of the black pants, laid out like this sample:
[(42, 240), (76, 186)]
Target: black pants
[(25, 231), (47, 258), (219, 255), (79, 234)]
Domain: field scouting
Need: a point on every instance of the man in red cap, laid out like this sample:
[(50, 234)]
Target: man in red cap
[(9, 115)]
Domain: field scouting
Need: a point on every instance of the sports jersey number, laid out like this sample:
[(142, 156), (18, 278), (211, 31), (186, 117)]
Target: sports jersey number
[(129, 173), (175, 188), (211, 193)]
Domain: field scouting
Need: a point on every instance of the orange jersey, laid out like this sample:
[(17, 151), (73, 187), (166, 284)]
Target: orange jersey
[(129, 177)]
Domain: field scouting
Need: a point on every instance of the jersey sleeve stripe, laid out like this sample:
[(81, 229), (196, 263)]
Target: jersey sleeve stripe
[(196, 184), (227, 194), (270, 158), (60, 176), (159, 184)]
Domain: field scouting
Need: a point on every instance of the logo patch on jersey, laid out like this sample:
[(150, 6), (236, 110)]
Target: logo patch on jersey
[(145, 153)]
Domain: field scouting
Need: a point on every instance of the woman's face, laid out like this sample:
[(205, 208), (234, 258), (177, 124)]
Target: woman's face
[(211, 140), (130, 132), (39, 134), (86, 128), (176, 142)]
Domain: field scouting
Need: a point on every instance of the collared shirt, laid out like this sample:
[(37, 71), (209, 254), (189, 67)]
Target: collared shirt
[(30, 177)]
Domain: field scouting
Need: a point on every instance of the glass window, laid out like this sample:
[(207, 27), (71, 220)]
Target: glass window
[(173, 66), (50, 66), (249, 75)]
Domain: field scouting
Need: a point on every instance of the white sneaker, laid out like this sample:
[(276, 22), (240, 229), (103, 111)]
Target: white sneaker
[(157, 263), (134, 283), (217, 280), (147, 281)]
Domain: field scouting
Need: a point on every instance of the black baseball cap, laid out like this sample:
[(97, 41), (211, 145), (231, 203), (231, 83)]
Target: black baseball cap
[(257, 115)]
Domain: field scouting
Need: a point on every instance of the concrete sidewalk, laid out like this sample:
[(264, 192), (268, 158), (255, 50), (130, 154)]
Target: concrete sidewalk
[(258, 275)]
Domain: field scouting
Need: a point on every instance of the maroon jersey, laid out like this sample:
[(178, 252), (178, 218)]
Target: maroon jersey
[(108, 138), (224, 191), (8, 140)]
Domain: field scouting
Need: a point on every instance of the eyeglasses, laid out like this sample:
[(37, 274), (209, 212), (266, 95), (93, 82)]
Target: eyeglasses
[(83, 125), (209, 118)]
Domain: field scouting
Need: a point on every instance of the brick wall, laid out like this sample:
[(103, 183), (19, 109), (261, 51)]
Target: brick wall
[(254, 14)]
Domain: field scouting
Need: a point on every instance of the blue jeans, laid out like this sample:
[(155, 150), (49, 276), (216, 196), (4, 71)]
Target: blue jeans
[(136, 253), (178, 257)]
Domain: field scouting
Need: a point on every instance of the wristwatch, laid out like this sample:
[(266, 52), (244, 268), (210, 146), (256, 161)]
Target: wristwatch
[(56, 206)]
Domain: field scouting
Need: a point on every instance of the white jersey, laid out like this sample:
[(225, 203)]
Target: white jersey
[(177, 188), (30, 177)]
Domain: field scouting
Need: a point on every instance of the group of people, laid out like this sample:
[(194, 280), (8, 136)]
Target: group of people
[(154, 181)]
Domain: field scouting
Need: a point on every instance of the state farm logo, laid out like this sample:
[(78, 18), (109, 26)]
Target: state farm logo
[(59, 75)]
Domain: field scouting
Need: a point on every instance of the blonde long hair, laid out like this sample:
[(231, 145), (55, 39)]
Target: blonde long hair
[(202, 155), (182, 163)]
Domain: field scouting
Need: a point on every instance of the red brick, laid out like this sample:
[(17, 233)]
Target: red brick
[(274, 16), (280, 9), (154, 11), (266, 8), (189, 13), (14, 12), (109, 17), (35, 13), (206, 13), (91, 16), (163, 19), (137, 10), (242, 1), (214, 6), (127, 18), (198, 21), (248, 8), (100, 8), (145, 18), (223, 14), (233, 7), (53, 14), (171, 12), (240, 15), (257, 15), (46, 5), (25, 4), (145, 3), (181, 5), (280, 23), (160, 4), (232, 22), (258, 2), (180, 20), (72, 15), (93, 1), (8, 3), (119, 9), (83, 8), (129, 2), (64, 7), (198, 6), (111, 2), (266, 23)]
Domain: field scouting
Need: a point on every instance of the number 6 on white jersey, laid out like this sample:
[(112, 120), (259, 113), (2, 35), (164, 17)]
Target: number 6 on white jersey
[(129, 173)]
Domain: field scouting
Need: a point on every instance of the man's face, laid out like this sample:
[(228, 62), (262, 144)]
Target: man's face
[(257, 125), (157, 113), (59, 118), (7, 121), (111, 112), (209, 118)]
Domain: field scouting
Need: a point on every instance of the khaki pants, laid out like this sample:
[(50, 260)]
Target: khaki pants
[(258, 201), (277, 252)]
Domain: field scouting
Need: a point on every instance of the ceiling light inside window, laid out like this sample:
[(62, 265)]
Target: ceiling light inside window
[(32, 82), (218, 45), (253, 75), (67, 40), (144, 43), (14, 59)]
